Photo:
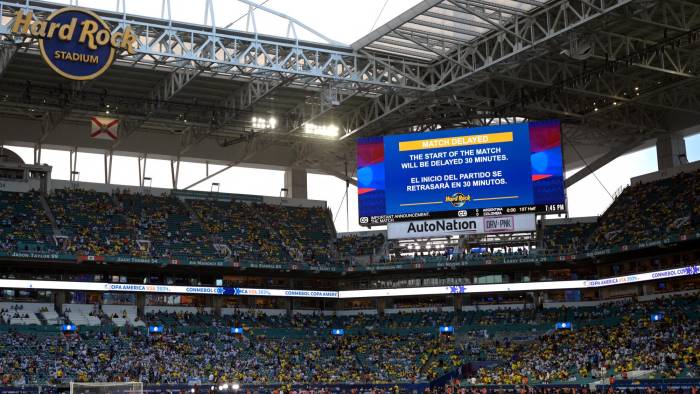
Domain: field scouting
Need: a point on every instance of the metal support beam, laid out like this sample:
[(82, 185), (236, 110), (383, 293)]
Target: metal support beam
[(668, 58), (108, 167), (470, 61), (7, 52), (37, 154), (164, 91), (507, 99), (595, 93), (339, 175), (52, 119), (73, 164), (209, 177), (329, 98), (372, 112), (172, 83), (142, 171), (533, 30), (598, 163), (164, 46), (245, 98), (251, 148), (175, 171), (495, 19), (127, 127)]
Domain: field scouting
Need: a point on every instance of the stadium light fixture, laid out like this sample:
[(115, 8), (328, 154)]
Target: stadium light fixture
[(225, 386), (235, 386), (329, 130), (262, 123)]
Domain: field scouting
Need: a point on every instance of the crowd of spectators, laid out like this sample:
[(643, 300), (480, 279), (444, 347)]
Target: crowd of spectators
[(643, 212), (92, 222), (665, 349), (166, 223), (268, 233), (143, 225), (359, 245), (24, 225), (568, 238), (375, 349), (647, 211)]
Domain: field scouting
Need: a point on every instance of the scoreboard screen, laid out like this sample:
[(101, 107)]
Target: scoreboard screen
[(494, 170)]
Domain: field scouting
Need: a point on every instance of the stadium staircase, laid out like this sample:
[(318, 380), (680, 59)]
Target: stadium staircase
[(24, 314), (424, 366), (51, 317), (193, 215), (49, 214), (121, 315), (79, 315)]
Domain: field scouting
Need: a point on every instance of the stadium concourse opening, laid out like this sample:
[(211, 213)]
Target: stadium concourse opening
[(474, 197)]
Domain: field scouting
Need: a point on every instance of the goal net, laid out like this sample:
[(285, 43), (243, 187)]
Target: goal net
[(106, 388)]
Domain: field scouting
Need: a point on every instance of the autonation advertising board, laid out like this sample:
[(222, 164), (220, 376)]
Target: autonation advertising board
[(457, 226), (495, 170)]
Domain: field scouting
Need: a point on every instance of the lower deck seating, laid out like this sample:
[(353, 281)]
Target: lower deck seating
[(122, 315)]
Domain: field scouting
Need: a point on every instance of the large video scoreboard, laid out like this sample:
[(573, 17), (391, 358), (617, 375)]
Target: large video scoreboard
[(495, 170)]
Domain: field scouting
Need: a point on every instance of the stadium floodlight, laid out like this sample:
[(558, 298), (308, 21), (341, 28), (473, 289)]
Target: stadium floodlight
[(221, 387), (225, 386), (261, 123), (235, 386), (192, 390), (329, 130)]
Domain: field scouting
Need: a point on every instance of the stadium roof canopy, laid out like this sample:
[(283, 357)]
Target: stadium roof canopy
[(435, 28), (619, 73)]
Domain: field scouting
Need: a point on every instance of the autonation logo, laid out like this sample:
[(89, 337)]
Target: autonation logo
[(442, 225)]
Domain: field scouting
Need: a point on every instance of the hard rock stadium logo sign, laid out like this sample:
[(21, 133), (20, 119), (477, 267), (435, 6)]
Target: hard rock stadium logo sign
[(75, 42)]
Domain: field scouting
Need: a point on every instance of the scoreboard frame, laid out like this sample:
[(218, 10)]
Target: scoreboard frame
[(543, 209)]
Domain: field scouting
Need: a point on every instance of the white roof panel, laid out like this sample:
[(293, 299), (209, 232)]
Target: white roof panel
[(433, 28)]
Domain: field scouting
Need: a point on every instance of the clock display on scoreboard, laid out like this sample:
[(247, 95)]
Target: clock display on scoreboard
[(485, 171)]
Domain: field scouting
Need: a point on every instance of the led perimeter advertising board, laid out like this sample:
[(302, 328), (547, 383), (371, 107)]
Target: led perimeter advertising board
[(483, 171)]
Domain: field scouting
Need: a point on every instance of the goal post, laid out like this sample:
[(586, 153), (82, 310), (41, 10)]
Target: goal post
[(106, 388)]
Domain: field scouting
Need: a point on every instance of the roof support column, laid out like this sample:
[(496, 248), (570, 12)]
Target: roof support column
[(37, 154), (108, 167), (142, 170), (670, 151), (74, 174), (175, 171), (295, 182)]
